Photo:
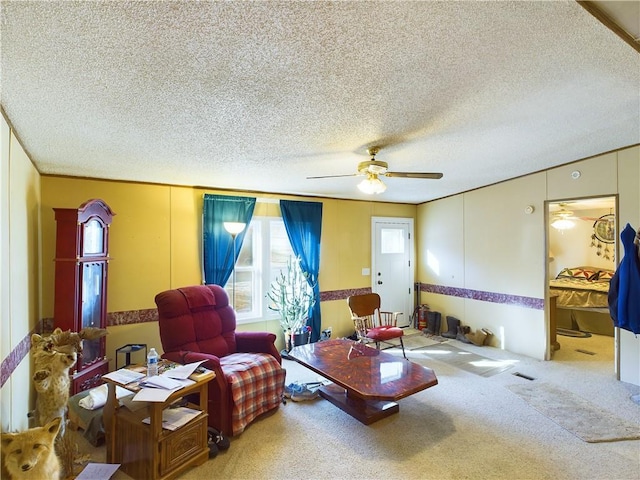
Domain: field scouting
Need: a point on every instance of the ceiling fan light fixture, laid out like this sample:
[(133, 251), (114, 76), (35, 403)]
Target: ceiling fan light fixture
[(371, 185), (563, 224)]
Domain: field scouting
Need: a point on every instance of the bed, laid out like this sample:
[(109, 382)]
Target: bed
[(581, 299)]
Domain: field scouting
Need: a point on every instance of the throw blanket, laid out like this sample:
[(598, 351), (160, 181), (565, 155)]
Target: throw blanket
[(97, 397), (257, 384)]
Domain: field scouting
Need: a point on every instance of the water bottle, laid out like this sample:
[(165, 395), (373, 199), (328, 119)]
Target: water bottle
[(152, 363)]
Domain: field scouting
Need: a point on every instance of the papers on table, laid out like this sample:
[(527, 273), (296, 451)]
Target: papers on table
[(158, 387), (124, 376), (161, 381), (98, 471), (183, 371), (174, 418), (157, 393)]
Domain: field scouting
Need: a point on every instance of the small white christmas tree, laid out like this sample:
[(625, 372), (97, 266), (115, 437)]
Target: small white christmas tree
[(291, 296)]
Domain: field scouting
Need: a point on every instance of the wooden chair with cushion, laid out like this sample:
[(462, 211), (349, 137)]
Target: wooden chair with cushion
[(197, 323), (373, 325)]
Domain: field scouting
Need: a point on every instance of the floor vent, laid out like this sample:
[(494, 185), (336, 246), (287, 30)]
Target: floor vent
[(522, 375), (585, 351)]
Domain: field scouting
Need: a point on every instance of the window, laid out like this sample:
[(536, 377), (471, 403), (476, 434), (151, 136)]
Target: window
[(264, 252)]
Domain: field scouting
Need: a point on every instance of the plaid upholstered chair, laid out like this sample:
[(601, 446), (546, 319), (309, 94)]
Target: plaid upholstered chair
[(197, 323)]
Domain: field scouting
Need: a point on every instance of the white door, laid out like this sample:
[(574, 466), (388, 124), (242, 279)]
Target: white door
[(392, 265)]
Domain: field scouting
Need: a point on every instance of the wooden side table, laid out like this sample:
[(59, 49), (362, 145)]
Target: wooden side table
[(146, 451)]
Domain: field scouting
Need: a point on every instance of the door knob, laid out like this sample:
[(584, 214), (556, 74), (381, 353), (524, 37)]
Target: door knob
[(379, 282)]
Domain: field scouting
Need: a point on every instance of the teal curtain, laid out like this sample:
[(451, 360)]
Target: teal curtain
[(217, 243), (303, 222)]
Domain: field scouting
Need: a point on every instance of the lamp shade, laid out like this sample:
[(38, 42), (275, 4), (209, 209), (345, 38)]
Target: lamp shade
[(563, 224), (234, 228), (372, 184)]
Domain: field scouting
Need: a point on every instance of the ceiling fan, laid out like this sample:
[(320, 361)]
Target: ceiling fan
[(566, 214), (563, 219), (563, 212), (372, 169)]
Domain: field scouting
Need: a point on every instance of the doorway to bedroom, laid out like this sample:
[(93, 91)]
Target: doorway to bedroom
[(581, 235)]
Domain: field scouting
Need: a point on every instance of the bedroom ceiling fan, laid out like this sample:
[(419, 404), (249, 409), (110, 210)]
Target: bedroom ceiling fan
[(564, 219), (373, 169)]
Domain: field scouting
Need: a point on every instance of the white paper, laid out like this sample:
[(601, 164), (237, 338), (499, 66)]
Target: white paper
[(98, 471), (159, 394), (152, 395), (123, 376), (183, 371), (174, 418), (159, 381)]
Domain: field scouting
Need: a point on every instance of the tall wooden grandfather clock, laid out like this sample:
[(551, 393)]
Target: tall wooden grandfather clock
[(82, 261)]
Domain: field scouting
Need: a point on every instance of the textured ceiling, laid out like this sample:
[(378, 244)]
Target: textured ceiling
[(259, 95)]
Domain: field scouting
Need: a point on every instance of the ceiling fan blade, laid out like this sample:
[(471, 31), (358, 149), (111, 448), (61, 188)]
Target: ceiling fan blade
[(414, 175), (335, 176)]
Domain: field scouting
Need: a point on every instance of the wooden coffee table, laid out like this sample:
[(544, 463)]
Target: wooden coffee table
[(366, 382)]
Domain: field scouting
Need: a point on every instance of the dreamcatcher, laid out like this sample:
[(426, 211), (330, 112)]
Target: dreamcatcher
[(604, 234)]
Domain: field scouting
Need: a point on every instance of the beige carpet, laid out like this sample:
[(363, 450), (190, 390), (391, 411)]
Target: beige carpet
[(444, 350), (465, 360), (417, 341), (575, 414)]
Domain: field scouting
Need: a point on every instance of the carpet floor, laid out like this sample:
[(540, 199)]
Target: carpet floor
[(465, 360), (575, 414)]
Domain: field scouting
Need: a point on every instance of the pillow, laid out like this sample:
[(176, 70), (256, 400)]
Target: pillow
[(605, 275), (584, 273)]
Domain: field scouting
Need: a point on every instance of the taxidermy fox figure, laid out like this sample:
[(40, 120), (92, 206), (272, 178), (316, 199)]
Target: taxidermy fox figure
[(30, 455), (52, 382), (53, 357)]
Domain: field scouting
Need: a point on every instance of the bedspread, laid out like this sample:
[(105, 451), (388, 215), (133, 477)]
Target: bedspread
[(256, 391), (579, 293)]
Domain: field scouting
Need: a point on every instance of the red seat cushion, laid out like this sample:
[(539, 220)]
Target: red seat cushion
[(384, 333)]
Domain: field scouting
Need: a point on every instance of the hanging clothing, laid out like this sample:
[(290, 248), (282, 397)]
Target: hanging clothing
[(624, 288)]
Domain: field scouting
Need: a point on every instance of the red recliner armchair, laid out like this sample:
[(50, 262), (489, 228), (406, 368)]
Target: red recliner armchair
[(197, 323)]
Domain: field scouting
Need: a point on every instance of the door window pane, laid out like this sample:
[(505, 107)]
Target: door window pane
[(391, 240)]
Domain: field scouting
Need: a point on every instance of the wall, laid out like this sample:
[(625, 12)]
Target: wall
[(483, 259), (19, 276), (155, 246), (475, 257)]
